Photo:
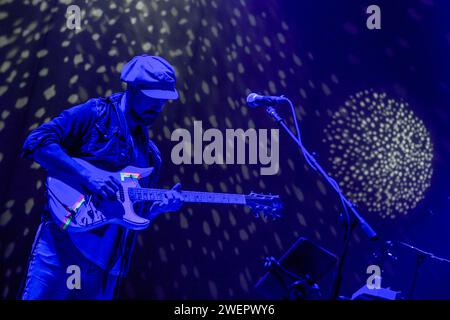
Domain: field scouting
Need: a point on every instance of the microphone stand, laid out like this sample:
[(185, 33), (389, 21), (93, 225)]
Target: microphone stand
[(347, 205)]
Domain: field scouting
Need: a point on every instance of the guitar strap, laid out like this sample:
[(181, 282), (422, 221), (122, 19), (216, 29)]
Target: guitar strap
[(128, 237)]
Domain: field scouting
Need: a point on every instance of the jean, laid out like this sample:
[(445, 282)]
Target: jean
[(57, 270)]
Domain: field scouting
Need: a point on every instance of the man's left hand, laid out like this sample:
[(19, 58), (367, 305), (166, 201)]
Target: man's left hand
[(172, 201)]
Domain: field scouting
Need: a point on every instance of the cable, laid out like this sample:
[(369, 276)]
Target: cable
[(315, 166), (348, 224)]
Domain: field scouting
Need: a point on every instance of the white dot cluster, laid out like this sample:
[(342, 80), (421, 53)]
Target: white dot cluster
[(381, 153)]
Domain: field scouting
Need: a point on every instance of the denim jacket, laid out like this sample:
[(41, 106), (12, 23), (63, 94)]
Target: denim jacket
[(96, 132)]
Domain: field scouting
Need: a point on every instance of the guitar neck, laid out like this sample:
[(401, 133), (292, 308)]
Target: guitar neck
[(146, 194)]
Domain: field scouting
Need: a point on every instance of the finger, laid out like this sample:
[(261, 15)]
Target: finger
[(109, 192), (177, 186), (176, 191), (112, 185), (170, 195), (177, 196), (157, 203), (101, 194), (116, 182)]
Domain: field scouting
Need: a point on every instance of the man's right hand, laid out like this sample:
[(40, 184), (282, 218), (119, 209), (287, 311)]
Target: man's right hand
[(103, 187), (60, 165)]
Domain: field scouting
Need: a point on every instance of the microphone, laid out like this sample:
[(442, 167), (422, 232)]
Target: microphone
[(255, 100)]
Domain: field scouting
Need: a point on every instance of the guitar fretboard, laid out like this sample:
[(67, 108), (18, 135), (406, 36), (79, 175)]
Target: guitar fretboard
[(146, 194)]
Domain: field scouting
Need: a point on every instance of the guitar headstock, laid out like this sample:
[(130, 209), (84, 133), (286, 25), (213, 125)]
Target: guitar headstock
[(266, 204)]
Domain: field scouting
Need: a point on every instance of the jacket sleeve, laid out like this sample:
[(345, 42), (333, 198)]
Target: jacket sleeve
[(67, 129)]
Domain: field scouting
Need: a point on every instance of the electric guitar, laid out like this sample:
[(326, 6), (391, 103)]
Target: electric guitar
[(77, 212)]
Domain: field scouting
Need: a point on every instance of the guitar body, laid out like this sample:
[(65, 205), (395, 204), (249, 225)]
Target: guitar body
[(77, 212)]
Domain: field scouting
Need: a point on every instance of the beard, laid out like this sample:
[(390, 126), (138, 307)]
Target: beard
[(146, 118), (149, 117)]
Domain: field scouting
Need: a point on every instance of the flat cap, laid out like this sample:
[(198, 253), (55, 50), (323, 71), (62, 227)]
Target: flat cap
[(153, 75)]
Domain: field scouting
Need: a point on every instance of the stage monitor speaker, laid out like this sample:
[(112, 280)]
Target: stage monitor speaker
[(296, 274)]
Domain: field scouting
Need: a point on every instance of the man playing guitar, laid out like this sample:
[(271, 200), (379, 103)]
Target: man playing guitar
[(110, 133)]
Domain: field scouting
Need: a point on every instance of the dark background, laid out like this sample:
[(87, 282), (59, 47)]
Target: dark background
[(318, 53)]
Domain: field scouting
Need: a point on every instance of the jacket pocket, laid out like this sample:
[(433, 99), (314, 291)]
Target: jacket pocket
[(103, 141)]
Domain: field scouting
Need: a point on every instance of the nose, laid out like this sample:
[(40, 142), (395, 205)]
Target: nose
[(157, 104)]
